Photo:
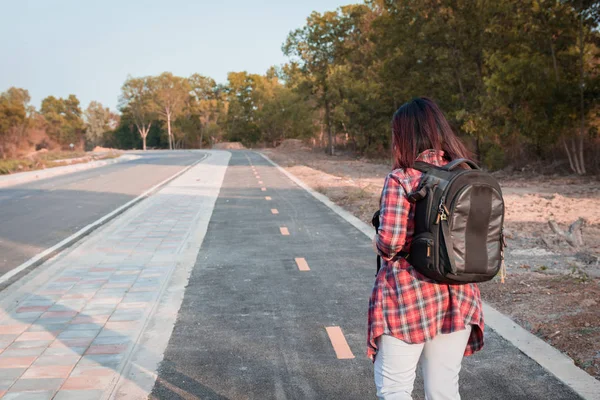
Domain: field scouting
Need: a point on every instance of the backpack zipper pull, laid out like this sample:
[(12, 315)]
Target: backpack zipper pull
[(442, 212)]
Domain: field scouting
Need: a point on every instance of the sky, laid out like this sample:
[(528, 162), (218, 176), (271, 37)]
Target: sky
[(88, 48)]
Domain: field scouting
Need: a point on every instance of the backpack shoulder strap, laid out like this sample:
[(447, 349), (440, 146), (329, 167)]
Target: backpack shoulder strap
[(452, 165), (423, 167)]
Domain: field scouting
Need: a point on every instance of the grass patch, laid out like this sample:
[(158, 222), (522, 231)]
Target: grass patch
[(48, 160), (60, 155)]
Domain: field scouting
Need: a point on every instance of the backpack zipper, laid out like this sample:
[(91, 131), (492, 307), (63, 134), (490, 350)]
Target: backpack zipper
[(442, 211)]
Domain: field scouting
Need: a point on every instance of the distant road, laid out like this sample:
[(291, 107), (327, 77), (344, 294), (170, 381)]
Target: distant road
[(37, 215)]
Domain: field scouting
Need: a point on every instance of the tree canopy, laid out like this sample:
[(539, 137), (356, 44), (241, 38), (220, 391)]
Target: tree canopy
[(519, 80)]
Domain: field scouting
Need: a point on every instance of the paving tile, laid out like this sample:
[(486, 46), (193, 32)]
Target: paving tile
[(54, 320), (59, 314), (28, 309), (87, 383), (16, 362), (68, 279), (105, 300), (127, 315), (71, 343), (6, 383), (63, 351), (47, 326), (31, 336), (47, 371), (12, 373), (37, 297), (78, 334), (133, 305), (51, 292), (121, 326), (116, 286), (8, 338), (74, 305), (107, 349), (46, 360), (101, 360), (79, 395), (26, 317), (34, 384), (11, 353), (84, 327), (70, 296), (13, 329), (121, 339), (98, 309), (90, 319), (36, 395)]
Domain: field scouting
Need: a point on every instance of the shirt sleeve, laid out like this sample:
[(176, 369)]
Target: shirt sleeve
[(393, 219)]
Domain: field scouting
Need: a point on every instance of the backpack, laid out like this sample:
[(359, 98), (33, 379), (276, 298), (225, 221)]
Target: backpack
[(459, 218)]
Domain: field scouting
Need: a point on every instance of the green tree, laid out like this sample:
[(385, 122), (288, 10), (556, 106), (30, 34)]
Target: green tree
[(99, 119), (64, 122), (14, 119), (316, 47), (136, 101), (170, 94), (241, 118), (207, 108)]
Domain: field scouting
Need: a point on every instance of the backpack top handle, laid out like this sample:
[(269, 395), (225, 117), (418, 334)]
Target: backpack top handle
[(452, 165)]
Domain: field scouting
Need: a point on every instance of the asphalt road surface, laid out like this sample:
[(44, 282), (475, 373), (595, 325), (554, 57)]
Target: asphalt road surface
[(37, 215), (276, 307)]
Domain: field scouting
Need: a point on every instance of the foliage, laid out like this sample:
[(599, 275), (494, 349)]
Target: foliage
[(99, 119), (14, 119), (64, 123), (518, 80), (169, 96)]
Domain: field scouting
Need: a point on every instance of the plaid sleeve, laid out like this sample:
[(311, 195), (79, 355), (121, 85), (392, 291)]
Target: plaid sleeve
[(393, 219)]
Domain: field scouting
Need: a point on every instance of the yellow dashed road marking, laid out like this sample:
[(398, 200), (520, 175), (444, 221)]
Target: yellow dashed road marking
[(302, 264), (339, 343)]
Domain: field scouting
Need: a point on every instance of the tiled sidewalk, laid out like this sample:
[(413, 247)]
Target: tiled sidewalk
[(71, 337)]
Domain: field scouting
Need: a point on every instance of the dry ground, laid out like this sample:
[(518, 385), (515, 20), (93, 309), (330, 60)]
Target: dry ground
[(552, 289)]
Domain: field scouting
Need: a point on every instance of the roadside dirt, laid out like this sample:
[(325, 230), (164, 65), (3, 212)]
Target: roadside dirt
[(552, 289)]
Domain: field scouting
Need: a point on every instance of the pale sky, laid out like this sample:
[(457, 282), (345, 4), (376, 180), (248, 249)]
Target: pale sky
[(88, 48)]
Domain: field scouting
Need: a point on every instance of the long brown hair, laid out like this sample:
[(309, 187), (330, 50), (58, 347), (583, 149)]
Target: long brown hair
[(420, 125)]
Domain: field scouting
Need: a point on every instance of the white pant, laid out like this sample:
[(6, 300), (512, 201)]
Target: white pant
[(396, 365)]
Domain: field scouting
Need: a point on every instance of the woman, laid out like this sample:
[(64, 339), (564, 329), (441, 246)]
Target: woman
[(409, 314)]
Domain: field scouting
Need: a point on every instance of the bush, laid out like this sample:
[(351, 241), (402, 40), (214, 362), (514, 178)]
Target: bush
[(492, 157), (11, 165)]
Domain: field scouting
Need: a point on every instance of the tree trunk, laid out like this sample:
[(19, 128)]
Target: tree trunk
[(571, 161), (169, 130), (576, 160), (579, 154), (328, 124), (144, 133), (554, 62)]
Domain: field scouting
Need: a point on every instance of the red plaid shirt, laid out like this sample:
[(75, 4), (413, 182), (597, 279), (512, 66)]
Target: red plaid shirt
[(404, 303)]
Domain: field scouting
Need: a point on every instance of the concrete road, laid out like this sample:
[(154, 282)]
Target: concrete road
[(276, 307), (36, 216)]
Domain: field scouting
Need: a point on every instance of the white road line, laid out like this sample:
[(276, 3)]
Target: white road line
[(138, 376)]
